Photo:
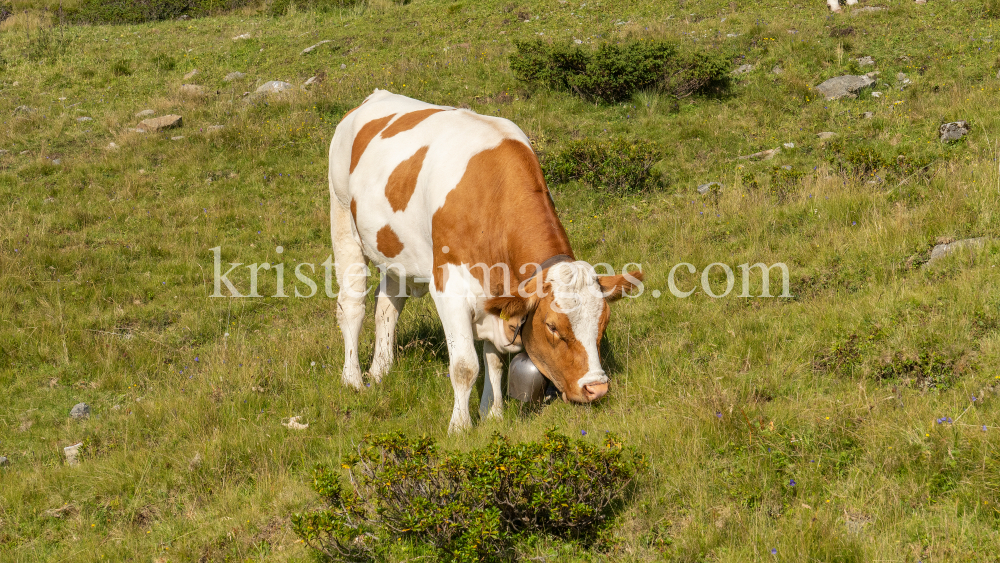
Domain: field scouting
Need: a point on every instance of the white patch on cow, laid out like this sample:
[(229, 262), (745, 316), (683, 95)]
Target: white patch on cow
[(578, 296)]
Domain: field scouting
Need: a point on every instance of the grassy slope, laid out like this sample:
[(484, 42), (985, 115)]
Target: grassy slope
[(106, 268)]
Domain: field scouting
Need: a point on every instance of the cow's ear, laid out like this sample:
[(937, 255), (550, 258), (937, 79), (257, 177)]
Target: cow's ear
[(616, 287), (513, 306)]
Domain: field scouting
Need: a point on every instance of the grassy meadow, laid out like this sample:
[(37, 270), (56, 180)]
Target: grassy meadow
[(855, 421)]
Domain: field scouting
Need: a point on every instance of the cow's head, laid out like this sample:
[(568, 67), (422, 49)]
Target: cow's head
[(567, 311)]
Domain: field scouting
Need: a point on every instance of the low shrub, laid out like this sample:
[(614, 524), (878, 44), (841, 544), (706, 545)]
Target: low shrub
[(613, 72), (468, 506), (619, 165), (133, 12)]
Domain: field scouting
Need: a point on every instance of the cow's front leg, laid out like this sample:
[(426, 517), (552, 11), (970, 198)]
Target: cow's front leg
[(456, 319), (391, 299), (492, 402)]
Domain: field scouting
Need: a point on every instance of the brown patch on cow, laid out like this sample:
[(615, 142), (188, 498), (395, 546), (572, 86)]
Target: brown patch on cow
[(403, 180), (388, 243), (365, 136), (408, 121), (354, 211), (499, 213)]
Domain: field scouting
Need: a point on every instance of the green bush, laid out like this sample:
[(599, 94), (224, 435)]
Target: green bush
[(468, 506), (619, 165), (616, 71), (139, 11)]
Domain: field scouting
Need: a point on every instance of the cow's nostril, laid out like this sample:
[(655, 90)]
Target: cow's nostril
[(595, 391)]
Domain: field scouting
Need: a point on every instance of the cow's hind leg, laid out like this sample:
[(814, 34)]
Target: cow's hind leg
[(352, 278), (391, 299), (492, 401), (456, 319)]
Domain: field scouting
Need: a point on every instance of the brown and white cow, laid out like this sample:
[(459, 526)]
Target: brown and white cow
[(443, 200)]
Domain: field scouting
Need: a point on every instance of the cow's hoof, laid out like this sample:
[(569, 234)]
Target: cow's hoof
[(495, 414), (459, 426), (353, 379)]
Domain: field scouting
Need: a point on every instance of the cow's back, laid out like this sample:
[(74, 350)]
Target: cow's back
[(393, 162)]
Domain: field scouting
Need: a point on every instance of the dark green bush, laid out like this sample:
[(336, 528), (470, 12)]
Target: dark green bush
[(6, 11), (619, 165), (616, 71), (468, 506), (139, 11), (121, 67), (164, 62)]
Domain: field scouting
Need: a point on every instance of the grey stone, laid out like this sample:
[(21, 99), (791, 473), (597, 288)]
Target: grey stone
[(343, 66), (274, 87), (84, 119), (788, 145), (866, 61), (824, 135), (24, 109), (80, 411), (742, 69), (192, 90), (777, 70), (145, 113), (56, 161), (786, 167), (313, 80), (868, 115), (4, 462), (214, 128), (234, 76), (72, 453), (942, 250), (177, 138), (155, 124), (243, 36), (846, 86), (705, 188), (191, 74), (308, 50), (953, 131), (762, 155)]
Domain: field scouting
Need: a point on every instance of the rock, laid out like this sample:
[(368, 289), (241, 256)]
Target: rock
[(786, 167), (3, 152), (80, 411), (195, 462), (184, 17), (953, 131), (234, 76), (243, 36), (24, 109), (274, 87), (214, 128), (159, 123), (762, 155), (942, 250), (845, 86), (876, 94), (191, 74), (313, 80), (177, 138), (742, 69), (192, 90), (789, 145), (145, 113), (343, 66), (308, 50), (56, 161), (84, 119), (705, 188), (294, 424), (903, 80), (4, 462), (777, 70), (824, 135), (866, 61), (868, 115), (71, 453)]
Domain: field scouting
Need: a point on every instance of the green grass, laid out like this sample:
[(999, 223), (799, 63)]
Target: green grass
[(105, 272)]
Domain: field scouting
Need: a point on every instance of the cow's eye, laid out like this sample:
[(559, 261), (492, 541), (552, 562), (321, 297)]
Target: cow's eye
[(552, 328)]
